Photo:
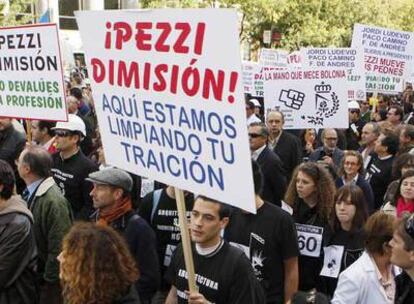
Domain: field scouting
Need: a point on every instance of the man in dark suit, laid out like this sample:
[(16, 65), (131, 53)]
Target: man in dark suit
[(329, 154), (274, 175), (286, 145)]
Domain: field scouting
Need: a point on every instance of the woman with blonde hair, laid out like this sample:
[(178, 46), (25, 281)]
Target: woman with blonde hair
[(311, 196), (96, 267)]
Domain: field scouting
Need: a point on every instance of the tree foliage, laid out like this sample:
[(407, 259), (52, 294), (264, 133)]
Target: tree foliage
[(18, 12), (318, 23)]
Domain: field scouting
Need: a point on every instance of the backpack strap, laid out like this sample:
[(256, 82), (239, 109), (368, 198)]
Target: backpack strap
[(155, 201)]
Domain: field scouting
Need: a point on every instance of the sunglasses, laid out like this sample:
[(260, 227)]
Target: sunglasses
[(62, 133), (255, 135), (354, 111), (409, 226)]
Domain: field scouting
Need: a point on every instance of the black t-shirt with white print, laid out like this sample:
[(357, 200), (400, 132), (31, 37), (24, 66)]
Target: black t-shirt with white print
[(224, 276), (165, 224), (268, 238), (379, 175)]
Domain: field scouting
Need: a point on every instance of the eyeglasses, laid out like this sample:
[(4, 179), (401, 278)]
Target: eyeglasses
[(409, 226), (255, 135), (331, 138), (353, 111), (62, 133)]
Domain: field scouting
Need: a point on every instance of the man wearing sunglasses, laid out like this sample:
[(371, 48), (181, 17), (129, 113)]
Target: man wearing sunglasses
[(402, 255), (353, 133), (274, 182), (71, 166)]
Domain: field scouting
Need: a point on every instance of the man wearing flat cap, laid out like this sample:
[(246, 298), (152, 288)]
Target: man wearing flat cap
[(111, 196)]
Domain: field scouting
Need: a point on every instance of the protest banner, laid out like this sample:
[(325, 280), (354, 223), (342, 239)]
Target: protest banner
[(350, 59), (249, 69), (31, 78), (387, 52), (273, 58), (384, 84), (308, 98), (168, 107), (294, 60)]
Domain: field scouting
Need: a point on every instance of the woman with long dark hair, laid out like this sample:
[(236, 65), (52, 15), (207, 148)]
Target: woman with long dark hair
[(347, 239), (311, 195), (403, 201), (96, 267)]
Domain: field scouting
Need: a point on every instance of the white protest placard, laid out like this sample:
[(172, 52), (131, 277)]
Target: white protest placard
[(386, 52), (308, 98), (294, 60), (350, 59), (167, 86), (31, 78), (384, 84), (249, 69), (273, 58)]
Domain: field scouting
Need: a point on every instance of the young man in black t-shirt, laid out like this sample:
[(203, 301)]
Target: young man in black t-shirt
[(269, 240), (71, 167), (223, 273)]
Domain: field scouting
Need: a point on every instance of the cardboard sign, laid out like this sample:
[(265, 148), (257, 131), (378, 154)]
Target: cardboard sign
[(308, 98), (386, 51), (167, 86), (31, 78), (273, 58), (350, 59)]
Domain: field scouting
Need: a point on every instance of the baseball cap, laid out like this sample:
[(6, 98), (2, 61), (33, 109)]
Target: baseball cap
[(353, 105), (255, 102), (74, 123), (113, 177)]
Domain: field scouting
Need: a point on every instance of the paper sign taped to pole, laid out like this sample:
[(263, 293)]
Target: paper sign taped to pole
[(31, 75), (167, 86), (308, 98), (352, 60)]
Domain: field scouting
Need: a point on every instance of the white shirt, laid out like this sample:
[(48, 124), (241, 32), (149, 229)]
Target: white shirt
[(255, 154), (359, 284), (253, 118)]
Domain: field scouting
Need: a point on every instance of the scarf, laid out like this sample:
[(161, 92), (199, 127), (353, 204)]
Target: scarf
[(116, 212), (403, 207)]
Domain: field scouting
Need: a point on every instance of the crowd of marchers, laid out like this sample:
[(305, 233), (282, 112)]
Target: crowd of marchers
[(334, 218)]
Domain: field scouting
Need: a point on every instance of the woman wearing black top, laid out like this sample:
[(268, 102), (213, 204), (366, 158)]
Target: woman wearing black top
[(311, 196), (347, 220)]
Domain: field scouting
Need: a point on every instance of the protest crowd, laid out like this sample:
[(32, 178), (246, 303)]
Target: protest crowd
[(334, 218)]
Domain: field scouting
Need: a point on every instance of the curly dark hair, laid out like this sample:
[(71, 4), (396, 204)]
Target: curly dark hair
[(96, 265), (325, 188)]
